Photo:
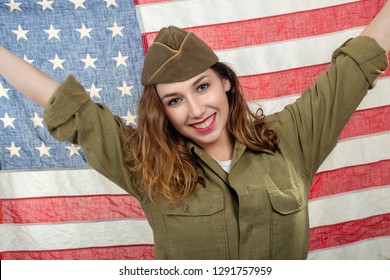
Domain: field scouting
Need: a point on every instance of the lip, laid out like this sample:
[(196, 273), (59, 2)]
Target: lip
[(208, 128)]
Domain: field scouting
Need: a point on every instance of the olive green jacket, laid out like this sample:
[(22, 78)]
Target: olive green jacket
[(259, 209)]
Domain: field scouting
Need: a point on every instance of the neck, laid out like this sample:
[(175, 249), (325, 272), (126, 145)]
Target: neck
[(223, 150)]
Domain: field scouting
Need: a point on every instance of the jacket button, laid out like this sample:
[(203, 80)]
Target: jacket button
[(186, 208), (249, 228)]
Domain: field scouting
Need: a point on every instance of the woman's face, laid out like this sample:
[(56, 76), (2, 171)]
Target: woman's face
[(198, 108)]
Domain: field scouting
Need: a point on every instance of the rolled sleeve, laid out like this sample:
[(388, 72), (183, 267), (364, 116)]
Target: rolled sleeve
[(367, 53), (70, 95)]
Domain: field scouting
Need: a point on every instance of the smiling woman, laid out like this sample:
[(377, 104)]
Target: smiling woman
[(200, 111), (208, 109), (215, 180)]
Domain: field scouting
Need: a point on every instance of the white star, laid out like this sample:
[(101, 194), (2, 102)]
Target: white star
[(43, 150), (116, 30), (28, 60), (3, 91), (20, 33), (37, 120), (94, 91), (130, 119), (14, 151), (57, 62), (53, 33), (13, 5), (73, 149), (78, 3), (125, 89), (8, 121), (89, 61), (84, 32), (111, 3), (46, 4), (120, 60)]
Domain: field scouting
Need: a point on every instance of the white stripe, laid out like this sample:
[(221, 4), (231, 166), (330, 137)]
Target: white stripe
[(272, 105), (267, 58), (360, 150), (349, 206), (377, 97), (21, 184), (205, 12), (74, 235), (370, 249)]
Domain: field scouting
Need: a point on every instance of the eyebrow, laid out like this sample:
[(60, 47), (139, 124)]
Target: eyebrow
[(168, 95)]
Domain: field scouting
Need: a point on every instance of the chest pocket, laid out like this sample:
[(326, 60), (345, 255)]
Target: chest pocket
[(196, 229), (286, 202), (289, 220)]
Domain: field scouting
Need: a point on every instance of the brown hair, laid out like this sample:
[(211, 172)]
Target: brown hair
[(158, 156)]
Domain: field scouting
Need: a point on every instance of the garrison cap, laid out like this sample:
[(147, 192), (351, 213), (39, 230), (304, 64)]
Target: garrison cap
[(175, 56)]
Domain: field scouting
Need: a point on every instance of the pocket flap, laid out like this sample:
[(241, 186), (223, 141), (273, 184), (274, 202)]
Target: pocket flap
[(197, 206), (288, 201)]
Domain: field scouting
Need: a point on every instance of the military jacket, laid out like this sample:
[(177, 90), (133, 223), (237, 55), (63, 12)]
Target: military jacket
[(259, 210)]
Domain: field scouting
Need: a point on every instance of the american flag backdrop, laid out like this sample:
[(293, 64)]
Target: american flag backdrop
[(53, 206)]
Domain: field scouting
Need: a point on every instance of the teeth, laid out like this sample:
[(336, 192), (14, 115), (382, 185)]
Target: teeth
[(205, 124)]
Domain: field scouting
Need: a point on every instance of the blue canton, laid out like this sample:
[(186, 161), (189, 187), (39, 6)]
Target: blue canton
[(97, 41)]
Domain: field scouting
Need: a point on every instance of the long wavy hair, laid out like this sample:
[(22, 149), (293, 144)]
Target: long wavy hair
[(158, 157)]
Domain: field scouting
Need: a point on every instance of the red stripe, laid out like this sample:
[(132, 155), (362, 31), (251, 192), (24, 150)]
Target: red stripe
[(291, 81), (351, 178), (366, 122), (349, 232), (283, 27), (141, 2), (2, 221), (67, 209), (133, 252)]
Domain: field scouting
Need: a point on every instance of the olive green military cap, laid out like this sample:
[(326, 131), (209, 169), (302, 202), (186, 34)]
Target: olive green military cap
[(176, 55)]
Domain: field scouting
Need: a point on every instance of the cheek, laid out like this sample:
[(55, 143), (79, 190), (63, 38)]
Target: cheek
[(216, 99), (224, 102), (176, 118)]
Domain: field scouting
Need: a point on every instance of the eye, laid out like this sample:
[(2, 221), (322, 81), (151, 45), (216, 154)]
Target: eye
[(202, 87), (174, 101)]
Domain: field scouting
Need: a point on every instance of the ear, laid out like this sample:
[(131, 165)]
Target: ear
[(226, 85)]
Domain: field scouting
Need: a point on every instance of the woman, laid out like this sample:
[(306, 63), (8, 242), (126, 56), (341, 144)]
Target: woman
[(214, 180)]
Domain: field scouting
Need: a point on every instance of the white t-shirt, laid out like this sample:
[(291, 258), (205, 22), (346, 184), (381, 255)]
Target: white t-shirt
[(225, 164)]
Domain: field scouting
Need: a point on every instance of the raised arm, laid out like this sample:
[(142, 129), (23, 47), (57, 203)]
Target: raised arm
[(30, 81), (379, 28)]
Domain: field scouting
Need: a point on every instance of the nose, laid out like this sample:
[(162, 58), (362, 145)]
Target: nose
[(196, 107)]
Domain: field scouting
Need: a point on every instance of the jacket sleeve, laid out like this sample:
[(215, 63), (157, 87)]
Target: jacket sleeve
[(74, 117), (311, 126)]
